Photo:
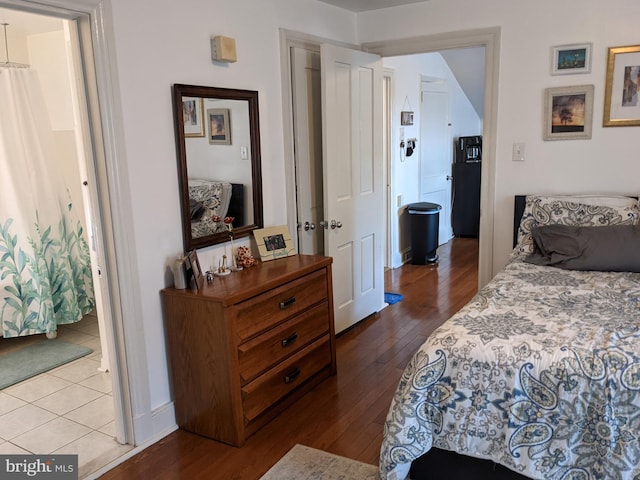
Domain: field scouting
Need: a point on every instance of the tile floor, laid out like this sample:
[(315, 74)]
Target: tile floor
[(67, 410)]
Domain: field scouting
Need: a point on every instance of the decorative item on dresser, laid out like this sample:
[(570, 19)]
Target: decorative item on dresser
[(248, 345)]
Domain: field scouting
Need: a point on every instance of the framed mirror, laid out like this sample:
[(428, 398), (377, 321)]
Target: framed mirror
[(219, 168)]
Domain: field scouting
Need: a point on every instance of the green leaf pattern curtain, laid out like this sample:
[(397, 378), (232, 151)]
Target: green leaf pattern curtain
[(45, 269)]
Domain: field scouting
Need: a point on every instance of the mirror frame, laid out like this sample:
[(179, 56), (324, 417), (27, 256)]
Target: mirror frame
[(251, 97)]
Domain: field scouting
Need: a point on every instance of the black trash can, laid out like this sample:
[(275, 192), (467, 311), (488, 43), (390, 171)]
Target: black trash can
[(425, 221)]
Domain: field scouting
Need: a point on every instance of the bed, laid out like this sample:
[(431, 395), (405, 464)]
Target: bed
[(212, 198), (538, 376)]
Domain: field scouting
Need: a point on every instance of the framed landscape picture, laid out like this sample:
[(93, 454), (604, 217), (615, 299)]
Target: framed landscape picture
[(621, 104), (219, 126), (568, 112), (568, 59), (192, 115)]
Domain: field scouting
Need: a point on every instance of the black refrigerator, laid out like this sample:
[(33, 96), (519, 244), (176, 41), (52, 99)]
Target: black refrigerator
[(467, 167)]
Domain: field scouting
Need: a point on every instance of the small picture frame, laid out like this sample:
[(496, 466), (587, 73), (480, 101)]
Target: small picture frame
[(193, 270), (219, 126), (568, 113), (571, 59), (274, 242), (193, 117), (622, 88), (406, 118)]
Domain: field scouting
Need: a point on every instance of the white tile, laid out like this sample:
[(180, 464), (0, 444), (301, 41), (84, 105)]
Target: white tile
[(37, 387), (22, 420), (77, 371), (8, 448), (51, 436), (73, 336), (94, 451), (109, 429), (67, 399), (94, 414), (100, 382), (9, 403)]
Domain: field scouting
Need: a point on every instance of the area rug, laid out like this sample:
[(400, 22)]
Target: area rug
[(306, 463), (392, 298), (37, 358)]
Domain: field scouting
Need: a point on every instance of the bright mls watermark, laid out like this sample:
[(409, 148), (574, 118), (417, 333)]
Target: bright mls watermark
[(51, 467)]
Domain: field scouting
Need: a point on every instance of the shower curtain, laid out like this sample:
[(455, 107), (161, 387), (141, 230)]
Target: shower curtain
[(45, 270)]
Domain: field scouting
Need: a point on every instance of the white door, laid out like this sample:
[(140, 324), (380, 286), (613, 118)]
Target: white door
[(307, 135), (353, 183), (436, 153)]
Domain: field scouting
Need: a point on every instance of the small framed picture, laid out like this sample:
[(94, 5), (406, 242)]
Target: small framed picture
[(621, 103), (274, 242), (568, 113), (192, 114), (193, 270), (219, 126), (570, 59), (406, 118)]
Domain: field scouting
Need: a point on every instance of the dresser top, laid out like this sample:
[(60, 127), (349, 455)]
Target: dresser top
[(239, 286)]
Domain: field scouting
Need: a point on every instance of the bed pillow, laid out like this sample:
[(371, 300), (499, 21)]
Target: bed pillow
[(543, 210), (614, 248)]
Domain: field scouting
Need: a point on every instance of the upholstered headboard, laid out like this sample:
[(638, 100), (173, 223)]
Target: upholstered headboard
[(518, 210)]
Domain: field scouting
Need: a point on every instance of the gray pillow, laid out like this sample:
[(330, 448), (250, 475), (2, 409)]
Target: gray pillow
[(614, 248)]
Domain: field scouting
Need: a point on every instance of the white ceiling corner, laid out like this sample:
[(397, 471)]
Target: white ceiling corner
[(366, 5)]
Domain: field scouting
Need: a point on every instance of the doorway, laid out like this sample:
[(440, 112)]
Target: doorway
[(83, 399), (489, 40)]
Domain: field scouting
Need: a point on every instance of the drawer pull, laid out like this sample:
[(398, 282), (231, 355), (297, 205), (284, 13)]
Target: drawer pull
[(292, 376), (287, 303), (289, 340)]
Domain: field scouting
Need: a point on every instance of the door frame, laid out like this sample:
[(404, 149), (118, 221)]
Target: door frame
[(288, 39), (108, 164), (490, 39)]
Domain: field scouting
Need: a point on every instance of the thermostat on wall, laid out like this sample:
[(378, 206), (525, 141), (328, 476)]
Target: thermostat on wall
[(223, 49)]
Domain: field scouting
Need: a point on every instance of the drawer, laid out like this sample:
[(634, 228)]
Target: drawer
[(267, 389), (270, 308), (263, 352)]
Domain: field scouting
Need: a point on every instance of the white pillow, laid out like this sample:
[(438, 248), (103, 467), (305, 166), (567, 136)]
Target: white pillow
[(603, 200), (566, 210)]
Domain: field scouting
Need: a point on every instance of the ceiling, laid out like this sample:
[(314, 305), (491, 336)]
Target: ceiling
[(28, 23), (365, 5)]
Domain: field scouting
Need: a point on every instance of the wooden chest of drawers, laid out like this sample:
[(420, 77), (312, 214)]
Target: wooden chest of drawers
[(245, 347)]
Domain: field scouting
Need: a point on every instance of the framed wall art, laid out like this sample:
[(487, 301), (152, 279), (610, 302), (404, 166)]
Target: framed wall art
[(192, 114), (621, 104), (219, 126), (274, 242), (406, 118), (568, 112), (569, 59)]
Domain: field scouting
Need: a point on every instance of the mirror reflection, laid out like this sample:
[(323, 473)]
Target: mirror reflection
[(219, 160)]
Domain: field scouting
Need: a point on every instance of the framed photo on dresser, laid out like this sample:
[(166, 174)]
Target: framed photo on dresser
[(193, 270)]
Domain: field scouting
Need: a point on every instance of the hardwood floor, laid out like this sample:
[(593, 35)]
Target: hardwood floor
[(345, 414)]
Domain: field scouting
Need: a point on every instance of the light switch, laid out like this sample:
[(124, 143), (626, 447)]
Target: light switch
[(244, 153), (518, 152)]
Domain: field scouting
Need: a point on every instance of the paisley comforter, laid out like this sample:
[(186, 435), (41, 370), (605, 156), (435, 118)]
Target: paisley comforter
[(539, 372)]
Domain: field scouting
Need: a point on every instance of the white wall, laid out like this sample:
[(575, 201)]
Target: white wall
[(606, 163), (162, 42), (405, 171)]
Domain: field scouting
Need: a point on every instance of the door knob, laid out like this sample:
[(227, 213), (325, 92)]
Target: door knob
[(335, 224), (449, 177), (324, 224), (309, 226)]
